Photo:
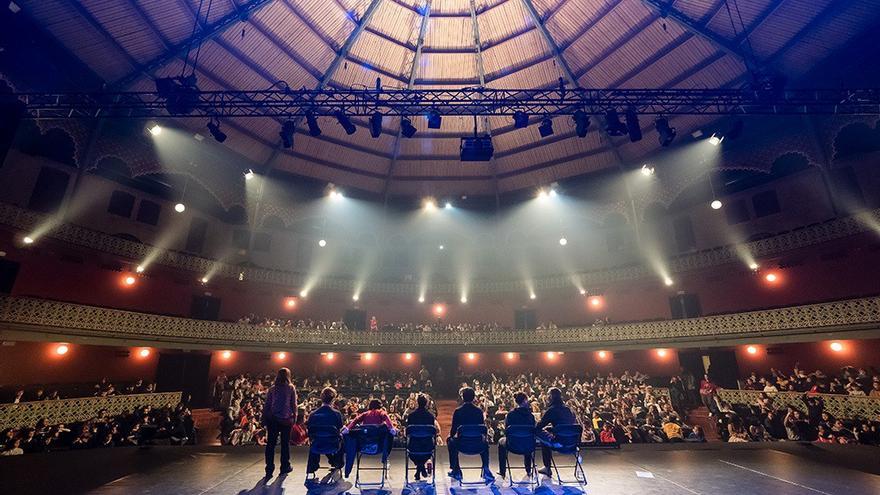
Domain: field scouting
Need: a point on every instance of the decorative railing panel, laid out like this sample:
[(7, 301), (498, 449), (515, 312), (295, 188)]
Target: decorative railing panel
[(80, 320), (26, 414), (26, 220), (840, 406)]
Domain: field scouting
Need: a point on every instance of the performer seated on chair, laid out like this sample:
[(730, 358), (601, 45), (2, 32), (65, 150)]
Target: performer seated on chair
[(466, 414), (327, 415), (557, 413), (521, 415), (376, 416), (422, 416)]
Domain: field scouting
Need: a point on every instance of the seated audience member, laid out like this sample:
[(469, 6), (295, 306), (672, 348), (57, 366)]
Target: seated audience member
[(606, 435), (557, 413), (298, 433), (466, 414), (375, 415), (327, 415), (422, 416), (521, 415), (672, 429)]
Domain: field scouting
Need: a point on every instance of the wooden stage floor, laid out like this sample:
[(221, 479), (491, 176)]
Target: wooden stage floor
[(711, 469)]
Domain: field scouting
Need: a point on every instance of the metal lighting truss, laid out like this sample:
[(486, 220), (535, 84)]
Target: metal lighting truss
[(286, 103)]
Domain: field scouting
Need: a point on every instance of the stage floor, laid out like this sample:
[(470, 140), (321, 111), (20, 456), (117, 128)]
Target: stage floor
[(711, 469)]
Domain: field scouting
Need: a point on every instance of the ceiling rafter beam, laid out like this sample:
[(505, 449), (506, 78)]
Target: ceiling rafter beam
[(92, 21), (413, 71), (481, 71)]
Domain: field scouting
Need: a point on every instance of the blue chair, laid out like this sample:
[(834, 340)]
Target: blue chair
[(521, 441), (323, 440), (421, 440), (371, 441), (472, 440), (568, 437)]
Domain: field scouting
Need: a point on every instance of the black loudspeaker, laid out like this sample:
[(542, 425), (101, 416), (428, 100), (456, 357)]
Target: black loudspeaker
[(525, 319), (205, 308), (355, 319), (685, 306), (8, 273)]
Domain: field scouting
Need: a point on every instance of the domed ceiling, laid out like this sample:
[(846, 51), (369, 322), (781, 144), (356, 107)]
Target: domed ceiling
[(448, 44)]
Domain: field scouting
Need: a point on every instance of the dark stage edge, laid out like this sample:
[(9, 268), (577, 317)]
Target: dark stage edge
[(711, 469)]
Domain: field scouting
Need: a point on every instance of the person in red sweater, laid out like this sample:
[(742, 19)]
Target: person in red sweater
[(607, 435), (374, 415)]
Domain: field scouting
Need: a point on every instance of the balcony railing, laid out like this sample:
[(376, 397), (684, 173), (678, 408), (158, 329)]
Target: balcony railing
[(840, 406), (26, 414), (69, 321)]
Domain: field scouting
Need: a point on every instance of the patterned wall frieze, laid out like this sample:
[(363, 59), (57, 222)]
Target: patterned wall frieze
[(27, 414)]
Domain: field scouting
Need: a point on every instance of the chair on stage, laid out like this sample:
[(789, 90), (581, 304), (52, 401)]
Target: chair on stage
[(472, 440), (566, 441), (421, 441), (521, 441), (371, 441), (324, 440)]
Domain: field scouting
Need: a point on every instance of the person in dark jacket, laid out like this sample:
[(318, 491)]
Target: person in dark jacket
[(421, 416), (519, 416), (327, 415), (466, 414), (557, 413), (279, 412)]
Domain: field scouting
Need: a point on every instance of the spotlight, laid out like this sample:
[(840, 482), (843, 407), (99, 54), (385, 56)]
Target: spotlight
[(430, 204), (753, 266), (129, 280), (140, 269), (249, 174), (715, 139), (180, 207), (595, 301), (155, 129), (464, 299), (304, 293), (553, 192), (563, 241), (421, 299), (667, 281), (613, 125), (61, 349), (632, 125), (550, 356), (583, 292), (322, 243), (376, 124), (216, 133), (144, 353), (345, 122), (441, 247), (290, 302), (752, 349), (665, 133), (288, 128), (532, 296), (448, 205), (204, 280), (520, 119), (28, 240), (771, 277), (408, 356), (836, 346), (543, 193), (603, 354), (329, 356), (312, 122), (226, 354), (581, 123), (439, 309), (355, 298), (546, 127), (407, 129), (281, 356), (510, 356), (716, 204), (335, 194), (647, 171), (434, 119), (471, 356), (661, 352)]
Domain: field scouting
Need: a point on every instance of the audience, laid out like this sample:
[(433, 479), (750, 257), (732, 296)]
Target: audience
[(103, 388)]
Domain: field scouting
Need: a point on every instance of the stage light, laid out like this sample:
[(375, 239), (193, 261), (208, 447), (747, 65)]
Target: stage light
[(249, 174), (434, 119), (129, 280), (448, 205), (543, 193), (546, 127), (408, 356), (329, 356), (140, 269), (180, 207), (281, 356), (553, 192), (532, 296), (665, 133), (421, 299), (563, 241), (771, 277), (520, 119), (715, 139), (463, 299), (322, 243), (752, 349), (28, 240), (439, 310), (430, 204), (226, 354), (376, 124), (596, 301), (632, 125), (61, 349), (583, 292), (345, 122), (155, 129), (716, 204), (355, 298), (510, 356), (471, 356), (407, 129), (613, 125), (836, 346), (441, 247), (312, 122), (581, 123), (204, 280), (303, 293), (290, 302), (647, 171), (288, 128), (753, 266), (367, 356), (551, 356), (667, 281), (216, 133), (602, 354), (661, 352), (144, 353)]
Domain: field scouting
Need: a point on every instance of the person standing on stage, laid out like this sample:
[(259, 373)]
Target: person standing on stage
[(279, 413)]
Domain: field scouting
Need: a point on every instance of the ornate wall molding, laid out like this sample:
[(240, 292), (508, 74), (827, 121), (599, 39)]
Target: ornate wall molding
[(841, 406), (26, 414), (26, 221), (52, 317)]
